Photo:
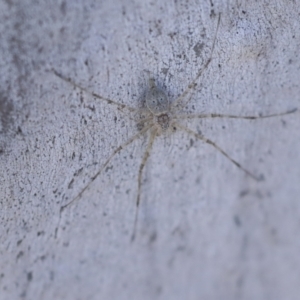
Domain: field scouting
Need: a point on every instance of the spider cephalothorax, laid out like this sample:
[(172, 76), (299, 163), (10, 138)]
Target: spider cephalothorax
[(163, 121), (158, 104)]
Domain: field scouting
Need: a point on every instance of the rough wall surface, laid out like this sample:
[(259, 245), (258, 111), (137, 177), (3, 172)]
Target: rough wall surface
[(206, 230)]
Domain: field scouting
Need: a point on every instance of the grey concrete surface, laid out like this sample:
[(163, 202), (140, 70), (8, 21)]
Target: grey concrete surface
[(206, 230)]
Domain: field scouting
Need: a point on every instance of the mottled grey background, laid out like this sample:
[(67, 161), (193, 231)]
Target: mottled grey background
[(206, 230)]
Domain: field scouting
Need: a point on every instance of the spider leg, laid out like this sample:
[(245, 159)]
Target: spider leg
[(116, 151), (208, 141), (235, 116), (194, 82), (109, 101), (143, 163)]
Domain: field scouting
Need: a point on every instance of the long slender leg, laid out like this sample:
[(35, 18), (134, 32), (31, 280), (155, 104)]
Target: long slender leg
[(194, 82), (143, 163), (202, 116), (141, 123), (109, 101), (208, 141), (133, 138)]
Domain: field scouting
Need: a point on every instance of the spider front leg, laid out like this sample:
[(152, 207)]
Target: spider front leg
[(192, 86), (107, 100)]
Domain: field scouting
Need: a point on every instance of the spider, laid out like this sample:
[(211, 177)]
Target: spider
[(160, 116)]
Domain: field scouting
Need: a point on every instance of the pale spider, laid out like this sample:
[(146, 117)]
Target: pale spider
[(161, 116)]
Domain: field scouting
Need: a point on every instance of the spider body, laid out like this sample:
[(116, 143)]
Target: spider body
[(158, 106), (160, 116)]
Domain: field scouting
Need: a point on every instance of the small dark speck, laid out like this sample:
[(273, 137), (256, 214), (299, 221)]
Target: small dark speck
[(172, 34), (19, 131), (198, 48), (243, 12), (71, 184), (165, 71), (63, 8), (79, 171), (29, 276), (237, 221), (115, 119), (92, 108), (158, 290), (244, 193), (153, 237), (108, 168), (51, 275), (283, 123), (273, 231), (20, 254), (19, 242)]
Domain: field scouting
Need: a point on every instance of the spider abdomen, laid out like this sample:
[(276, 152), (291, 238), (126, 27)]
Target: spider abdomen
[(157, 101)]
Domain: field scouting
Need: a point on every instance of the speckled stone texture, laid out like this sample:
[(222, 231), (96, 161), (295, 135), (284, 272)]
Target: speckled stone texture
[(206, 230)]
